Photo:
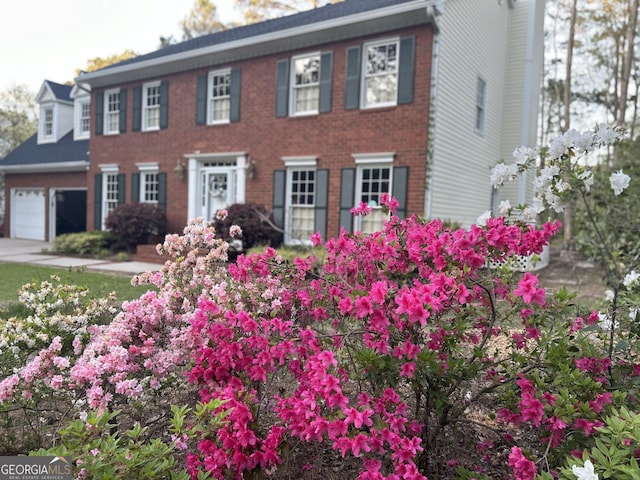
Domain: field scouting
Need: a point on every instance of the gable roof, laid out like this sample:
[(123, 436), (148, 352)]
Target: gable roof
[(57, 90), (347, 19), (62, 156)]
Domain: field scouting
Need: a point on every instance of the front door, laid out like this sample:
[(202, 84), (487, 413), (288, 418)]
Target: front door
[(218, 185)]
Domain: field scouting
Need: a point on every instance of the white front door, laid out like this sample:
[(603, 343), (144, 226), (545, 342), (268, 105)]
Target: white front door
[(218, 190)]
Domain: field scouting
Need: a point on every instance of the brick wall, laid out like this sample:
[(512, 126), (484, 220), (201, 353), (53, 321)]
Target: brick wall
[(331, 137)]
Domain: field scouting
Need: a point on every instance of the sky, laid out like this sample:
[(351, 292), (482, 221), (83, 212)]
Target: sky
[(49, 39)]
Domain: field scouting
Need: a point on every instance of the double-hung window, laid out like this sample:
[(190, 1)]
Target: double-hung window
[(300, 200), (84, 122), (151, 106), (110, 191), (305, 84), (149, 183), (112, 112), (373, 178), (48, 122), (219, 96), (380, 73)]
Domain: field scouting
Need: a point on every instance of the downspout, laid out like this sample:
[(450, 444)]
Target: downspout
[(527, 95), (432, 12)]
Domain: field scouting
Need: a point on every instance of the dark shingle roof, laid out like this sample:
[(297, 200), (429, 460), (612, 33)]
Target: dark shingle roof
[(64, 150), (309, 17), (61, 92)]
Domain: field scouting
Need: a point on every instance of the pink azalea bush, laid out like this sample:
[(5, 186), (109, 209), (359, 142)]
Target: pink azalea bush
[(404, 355)]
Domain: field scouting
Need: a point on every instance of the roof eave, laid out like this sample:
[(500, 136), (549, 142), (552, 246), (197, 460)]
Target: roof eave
[(373, 21)]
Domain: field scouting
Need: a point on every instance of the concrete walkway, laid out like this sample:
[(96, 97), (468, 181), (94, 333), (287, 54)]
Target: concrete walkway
[(39, 253)]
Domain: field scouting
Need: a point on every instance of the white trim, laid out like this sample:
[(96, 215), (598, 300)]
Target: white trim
[(148, 166), (300, 161), (334, 23), (109, 168), (213, 156), (371, 158)]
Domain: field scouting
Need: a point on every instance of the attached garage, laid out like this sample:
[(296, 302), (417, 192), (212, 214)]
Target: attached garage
[(28, 213)]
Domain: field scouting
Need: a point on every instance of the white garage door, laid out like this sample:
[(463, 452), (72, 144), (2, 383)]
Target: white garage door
[(28, 213)]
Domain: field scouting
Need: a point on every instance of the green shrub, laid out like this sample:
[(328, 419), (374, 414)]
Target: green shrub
[(134, 224), (96, 243)]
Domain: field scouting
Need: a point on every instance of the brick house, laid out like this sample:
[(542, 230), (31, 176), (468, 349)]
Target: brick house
[(312, 113)]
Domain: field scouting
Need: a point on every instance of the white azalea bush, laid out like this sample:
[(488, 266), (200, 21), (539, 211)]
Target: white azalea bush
[(605, 224)]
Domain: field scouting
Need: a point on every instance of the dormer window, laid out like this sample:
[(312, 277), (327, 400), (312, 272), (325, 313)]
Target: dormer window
[(85, 117), (48, 122)]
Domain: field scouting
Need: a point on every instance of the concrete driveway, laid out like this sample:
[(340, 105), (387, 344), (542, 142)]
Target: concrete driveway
[(15, 250)]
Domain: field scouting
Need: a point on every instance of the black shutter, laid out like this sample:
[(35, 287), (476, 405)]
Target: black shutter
[(234, 92), (399, 190), (279, 193), (347, 200), (406, 70), (322, 197), (121, 187), (201, 100), (352, 83), (282, 88), (135, 187), (164, 104), (136, 117), (162, 190), (326, 77), (97, 202), (99, 113), (123, 111)]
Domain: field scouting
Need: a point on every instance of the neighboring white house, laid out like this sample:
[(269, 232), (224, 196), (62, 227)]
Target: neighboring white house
[(492, 49)]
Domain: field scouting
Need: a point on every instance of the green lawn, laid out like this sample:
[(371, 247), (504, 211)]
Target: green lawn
[(13, 276)]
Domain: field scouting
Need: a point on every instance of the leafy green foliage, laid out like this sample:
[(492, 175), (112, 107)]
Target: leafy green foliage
[(95, 243)]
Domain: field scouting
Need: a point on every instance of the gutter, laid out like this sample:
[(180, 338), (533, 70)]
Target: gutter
[(61, 167), (318, 27)]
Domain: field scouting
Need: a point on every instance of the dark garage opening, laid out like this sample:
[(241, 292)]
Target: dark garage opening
[(71, 211)]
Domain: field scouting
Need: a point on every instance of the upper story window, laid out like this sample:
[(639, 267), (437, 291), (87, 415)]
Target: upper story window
[(48, 122), (380, 74), (151, 106), (219, 96), (305, 84), (112, 111), (480, 105)]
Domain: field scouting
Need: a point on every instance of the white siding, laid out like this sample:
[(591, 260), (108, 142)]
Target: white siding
[(478, 39)]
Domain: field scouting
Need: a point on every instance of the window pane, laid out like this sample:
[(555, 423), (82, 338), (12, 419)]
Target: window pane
[(305, 85), (219, 98)]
